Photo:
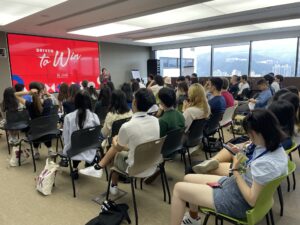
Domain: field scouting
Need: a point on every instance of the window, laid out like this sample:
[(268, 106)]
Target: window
[(169, 62), (231, 60), (277, 56), (196, 60)]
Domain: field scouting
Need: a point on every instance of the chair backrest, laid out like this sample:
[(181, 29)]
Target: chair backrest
[(212, 124), (17, 120), (195, 132), (146, 155), (173, 142), (117, 125), (83, 140), (227, 116), (265, 199), (101, 113), (42, 126)]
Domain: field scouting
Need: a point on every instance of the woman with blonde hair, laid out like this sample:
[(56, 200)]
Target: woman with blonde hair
[(196, 106)]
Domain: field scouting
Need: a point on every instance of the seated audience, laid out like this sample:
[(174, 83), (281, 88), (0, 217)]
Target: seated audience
[(92, 91), (62, 95), (196, 107), (103, 103), (156, 85), (126, 88), (150, 78), (242, 86), (226, 94), (141, 83), (79, 119), (111, 85), (239, 192), (264, 96), (47, 95), (20, 87), (11, 104), (171, 118), (84, 85), (217, 102), (234, 85), (279, 80), (135, 85), (293, 89), (274, 86), (181, 94), (140, 129), (118, 110), (188, 79), (69, 105), (38, 107), (168, 82)]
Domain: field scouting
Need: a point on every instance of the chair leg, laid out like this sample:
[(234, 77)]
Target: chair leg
[(134, 201), (189, 156), (271, 217), (32, 155), (72, 179), (184, 160), (162, 182), (141, 183), (135, 183), (206, 219), (108, 185), (8, 145), (289, 184), (299, 150), (294, 181), (61, 143), (280, 197), (20, 154), (167, 185), (267, 218), (106, 173), (291, 157), (231, 126), (222, 134)]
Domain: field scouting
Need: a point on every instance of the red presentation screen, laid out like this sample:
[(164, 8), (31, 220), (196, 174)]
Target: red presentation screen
[(52, 61)]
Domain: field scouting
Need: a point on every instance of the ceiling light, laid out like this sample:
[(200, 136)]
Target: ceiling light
[(183, 14), (14, 10), (225, 31), (107, 29)]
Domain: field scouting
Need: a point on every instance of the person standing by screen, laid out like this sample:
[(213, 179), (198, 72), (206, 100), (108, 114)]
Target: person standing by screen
[(104, 76)]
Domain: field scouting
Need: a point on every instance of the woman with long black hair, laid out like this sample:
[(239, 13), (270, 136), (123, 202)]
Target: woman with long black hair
[(81, 118)]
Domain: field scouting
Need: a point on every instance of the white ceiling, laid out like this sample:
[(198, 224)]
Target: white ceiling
[(77, 14)]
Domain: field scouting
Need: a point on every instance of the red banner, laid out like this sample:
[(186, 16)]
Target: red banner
[(52, 61)]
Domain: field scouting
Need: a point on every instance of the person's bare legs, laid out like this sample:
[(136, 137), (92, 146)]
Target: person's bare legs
[(222, 170), (223, 156), (193, 190), (108, 157)]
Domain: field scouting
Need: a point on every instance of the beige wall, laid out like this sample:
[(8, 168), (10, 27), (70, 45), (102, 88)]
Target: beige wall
[(5, 80), (121, 59)]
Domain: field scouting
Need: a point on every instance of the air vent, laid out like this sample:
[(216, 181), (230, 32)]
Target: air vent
[(2, 53)]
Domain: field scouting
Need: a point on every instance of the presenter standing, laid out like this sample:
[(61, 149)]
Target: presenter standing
[(105, 76)]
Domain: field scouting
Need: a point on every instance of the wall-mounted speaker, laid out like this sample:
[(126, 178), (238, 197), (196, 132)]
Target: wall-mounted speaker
[(3, 53)]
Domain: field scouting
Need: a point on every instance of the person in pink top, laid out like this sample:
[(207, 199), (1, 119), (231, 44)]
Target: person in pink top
[(226, 94)]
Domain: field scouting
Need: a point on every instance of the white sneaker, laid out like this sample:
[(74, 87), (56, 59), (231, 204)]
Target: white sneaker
[(188, 220), (114, 190), (206, 166), (91, 171)]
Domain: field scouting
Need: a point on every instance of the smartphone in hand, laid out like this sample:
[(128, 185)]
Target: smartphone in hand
[(230, 149)]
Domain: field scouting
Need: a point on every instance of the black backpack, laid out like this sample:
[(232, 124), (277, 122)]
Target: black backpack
[(111, 214)]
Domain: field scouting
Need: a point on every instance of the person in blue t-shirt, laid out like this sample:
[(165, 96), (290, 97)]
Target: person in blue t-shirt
[(217, 103), (264, 96)]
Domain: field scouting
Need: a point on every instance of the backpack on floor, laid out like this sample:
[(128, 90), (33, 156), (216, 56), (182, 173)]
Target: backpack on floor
[(16, 154), (46, 179), (111, 214)]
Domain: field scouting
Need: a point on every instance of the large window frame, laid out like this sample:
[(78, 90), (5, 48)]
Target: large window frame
[(250, 56)]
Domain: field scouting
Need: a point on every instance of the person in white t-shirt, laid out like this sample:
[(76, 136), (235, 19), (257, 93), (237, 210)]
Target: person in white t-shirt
[(140, 129), (243, 84)]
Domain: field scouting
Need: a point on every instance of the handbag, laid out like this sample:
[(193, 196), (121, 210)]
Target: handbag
[(17, 153), (45, 181), (111, 214)]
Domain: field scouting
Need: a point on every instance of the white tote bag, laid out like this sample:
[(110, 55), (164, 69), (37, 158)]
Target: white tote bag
[(45, 180), (25, 156)]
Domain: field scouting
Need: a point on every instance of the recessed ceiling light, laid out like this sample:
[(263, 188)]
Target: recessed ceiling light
[(224, 31), (183, 14), (14, 10)]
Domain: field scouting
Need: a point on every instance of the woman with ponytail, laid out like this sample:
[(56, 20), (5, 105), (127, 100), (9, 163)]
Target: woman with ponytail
[(81, 118), (38, 107)]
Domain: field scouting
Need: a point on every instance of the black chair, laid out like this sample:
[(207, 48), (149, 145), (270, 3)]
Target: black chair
[(42, 129), (116, 127), (101, 113), (81, 141), (193, 138), (211, 128), (15, 121), (172, 145)]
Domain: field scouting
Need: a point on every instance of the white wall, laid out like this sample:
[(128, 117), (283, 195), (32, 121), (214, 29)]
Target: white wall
[(120, 59), (5, 78)]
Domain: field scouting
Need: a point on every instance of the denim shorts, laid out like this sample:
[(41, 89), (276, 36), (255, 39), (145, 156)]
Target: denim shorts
[(229, 200)]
